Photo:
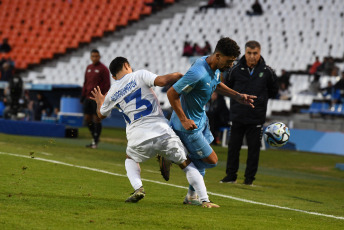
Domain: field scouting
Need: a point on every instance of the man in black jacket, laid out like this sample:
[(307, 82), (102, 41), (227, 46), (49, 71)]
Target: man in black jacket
[(250, 76)]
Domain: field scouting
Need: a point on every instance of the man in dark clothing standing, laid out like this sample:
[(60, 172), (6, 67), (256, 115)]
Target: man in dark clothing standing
[(41, 106), (97, 74), (250, 76)]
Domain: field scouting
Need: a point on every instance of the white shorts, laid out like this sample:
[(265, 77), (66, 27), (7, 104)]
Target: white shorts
[(167, 145)]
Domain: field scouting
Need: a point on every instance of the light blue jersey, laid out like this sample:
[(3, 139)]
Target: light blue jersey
[(196, 88)]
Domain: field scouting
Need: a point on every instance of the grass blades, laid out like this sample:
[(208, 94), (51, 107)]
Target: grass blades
[(42, 195)]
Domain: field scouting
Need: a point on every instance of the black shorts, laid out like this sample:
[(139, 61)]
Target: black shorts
[(90, 107)]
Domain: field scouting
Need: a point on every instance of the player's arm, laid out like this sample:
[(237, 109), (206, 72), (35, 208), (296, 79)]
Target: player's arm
[(241, 98), (173, 97), (167, 79), (99, 98)]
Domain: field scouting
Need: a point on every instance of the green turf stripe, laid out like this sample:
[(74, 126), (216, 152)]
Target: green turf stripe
[(177, 186)]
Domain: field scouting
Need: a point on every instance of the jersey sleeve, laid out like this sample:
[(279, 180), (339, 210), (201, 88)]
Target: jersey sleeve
[(187, 82), (107, 106), (147, 77)]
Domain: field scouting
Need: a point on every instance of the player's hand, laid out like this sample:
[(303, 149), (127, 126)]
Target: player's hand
[(189, 124), (245, 99), (98, 97)]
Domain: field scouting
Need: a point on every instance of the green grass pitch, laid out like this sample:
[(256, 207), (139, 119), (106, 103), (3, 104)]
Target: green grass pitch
[(56, 186)]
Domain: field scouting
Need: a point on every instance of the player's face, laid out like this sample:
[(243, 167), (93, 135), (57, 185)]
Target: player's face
[(225, 62), (95, 57), (252, 56)]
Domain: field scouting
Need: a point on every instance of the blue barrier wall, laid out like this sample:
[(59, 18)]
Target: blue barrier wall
[(31, 128), (316, 141), (70, 105)]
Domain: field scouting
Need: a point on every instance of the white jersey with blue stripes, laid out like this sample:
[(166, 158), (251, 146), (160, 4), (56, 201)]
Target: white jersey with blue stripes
[(134, 97)]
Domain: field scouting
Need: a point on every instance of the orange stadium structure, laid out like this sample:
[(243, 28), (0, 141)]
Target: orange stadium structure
[(39, 29)]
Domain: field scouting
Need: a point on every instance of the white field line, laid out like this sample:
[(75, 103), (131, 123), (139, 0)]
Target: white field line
[(177, 186)]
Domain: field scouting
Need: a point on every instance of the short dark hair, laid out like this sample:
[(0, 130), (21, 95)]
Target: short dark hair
[(227, 47), (117, 64), (252, 44), (95, 51)]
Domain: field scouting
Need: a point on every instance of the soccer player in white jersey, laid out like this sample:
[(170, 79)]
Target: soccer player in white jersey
[(148, 131)]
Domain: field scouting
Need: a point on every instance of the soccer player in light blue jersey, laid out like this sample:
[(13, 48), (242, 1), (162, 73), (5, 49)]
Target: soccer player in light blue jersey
[(188, 97)]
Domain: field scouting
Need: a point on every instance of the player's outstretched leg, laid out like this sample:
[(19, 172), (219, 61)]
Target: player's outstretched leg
[(133, 173), (195, 179)]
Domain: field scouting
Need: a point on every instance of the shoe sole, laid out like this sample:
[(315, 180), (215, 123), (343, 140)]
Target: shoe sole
[(136, 198), (228, 182), (197, 203)]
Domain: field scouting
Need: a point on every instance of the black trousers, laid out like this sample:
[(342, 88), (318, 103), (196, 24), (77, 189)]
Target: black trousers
[(253, 136)]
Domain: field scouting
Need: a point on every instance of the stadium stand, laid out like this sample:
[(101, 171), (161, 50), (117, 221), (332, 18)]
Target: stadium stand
[(40, 29), (291, 33)]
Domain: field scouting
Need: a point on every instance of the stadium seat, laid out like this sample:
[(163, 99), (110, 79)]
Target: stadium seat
[(66, 21)]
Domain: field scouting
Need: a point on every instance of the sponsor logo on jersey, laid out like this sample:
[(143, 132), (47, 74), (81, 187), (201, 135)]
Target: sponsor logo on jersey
[(122, 92), (96, 70), (200, 153)]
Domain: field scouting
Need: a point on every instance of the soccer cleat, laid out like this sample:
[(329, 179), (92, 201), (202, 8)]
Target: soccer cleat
[(165, 166), (192, 200), (93, 145), (228, 179), (209, 205), (248, 182), (137, 195)]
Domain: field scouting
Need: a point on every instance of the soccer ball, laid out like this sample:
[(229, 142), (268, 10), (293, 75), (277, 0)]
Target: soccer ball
[(277, 134)]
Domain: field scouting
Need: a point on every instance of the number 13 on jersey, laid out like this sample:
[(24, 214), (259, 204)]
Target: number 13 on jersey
[(139, 103)]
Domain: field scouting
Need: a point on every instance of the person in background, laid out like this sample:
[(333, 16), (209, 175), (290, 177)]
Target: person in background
[(198, 51), (284, 78), (283, 92), (314, 86), (315, 66), (251, 76), (5, 47), (213, 4), (340, 84), (218, 115), (97, 74), (13, 95), (28, 106), (187, 50), (207, 48), (41, 107), (256, 9), (332, 92), (6, 72)]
